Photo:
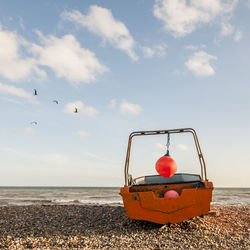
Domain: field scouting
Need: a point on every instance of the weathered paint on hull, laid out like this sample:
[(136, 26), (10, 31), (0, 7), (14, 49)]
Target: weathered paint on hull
[(145, 203)]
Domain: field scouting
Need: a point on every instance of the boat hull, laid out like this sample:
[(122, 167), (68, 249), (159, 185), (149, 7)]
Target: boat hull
[(146, 203)]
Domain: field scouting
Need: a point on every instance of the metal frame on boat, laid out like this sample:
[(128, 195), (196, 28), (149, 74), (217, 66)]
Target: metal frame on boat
[(143, 197)]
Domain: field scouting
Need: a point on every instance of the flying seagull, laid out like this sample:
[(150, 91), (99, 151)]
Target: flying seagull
[(35, 92), (76, 111), (55, 101), (33, 123)]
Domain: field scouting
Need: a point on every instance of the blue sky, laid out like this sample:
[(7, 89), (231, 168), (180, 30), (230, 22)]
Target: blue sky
[(126, 66)]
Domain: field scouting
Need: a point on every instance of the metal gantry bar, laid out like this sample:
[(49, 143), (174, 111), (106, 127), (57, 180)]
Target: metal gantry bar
[(160, 132)]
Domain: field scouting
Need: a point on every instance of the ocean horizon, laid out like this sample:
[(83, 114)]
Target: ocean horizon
[(90, 195)]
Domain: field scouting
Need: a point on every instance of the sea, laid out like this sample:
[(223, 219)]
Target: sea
[(19, 196)]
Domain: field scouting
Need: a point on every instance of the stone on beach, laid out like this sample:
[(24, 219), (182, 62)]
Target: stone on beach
[(108, 227)]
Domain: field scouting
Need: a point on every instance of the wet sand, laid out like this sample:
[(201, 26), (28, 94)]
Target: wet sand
[(107, 227)]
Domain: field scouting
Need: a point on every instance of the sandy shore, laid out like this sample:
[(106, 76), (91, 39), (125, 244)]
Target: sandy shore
[(107, 227)]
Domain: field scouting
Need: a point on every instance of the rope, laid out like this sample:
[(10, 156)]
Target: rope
[(168, 144)]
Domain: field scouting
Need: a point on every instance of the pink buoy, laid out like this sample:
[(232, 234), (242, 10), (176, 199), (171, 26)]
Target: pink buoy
[(171, 194)]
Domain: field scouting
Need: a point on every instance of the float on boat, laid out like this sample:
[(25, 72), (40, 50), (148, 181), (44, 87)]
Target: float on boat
[(143, 197)]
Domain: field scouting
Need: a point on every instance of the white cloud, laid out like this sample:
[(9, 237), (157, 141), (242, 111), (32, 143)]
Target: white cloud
[(81, 107), (29, 131), (160, 146), (101, 22), (182, 147), (192, 47), (238, 36), (157, 50), (182, 17), (68, 59), (82, 133), (157, 154), (199, 64), (13, 65), (112, 104), (226, 29), (6, 89), (161, 49), (130, 108), (148, 52), (63, 55)]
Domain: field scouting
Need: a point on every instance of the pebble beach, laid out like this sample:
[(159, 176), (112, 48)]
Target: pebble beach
[(108, 227)]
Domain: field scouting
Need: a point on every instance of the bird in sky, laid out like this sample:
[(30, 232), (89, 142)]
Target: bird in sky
[(35, 92), (76, 111), (34, 123), (55, 101)]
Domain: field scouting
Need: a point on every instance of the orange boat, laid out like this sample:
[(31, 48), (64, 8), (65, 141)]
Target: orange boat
[(143, 197)]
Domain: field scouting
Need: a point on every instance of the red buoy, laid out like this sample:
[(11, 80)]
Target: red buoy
[(166, 166)]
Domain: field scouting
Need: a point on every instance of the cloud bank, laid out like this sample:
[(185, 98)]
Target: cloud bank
[(21, 60), (101, 22), (68, 59), (14, 65), (181, 17)]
